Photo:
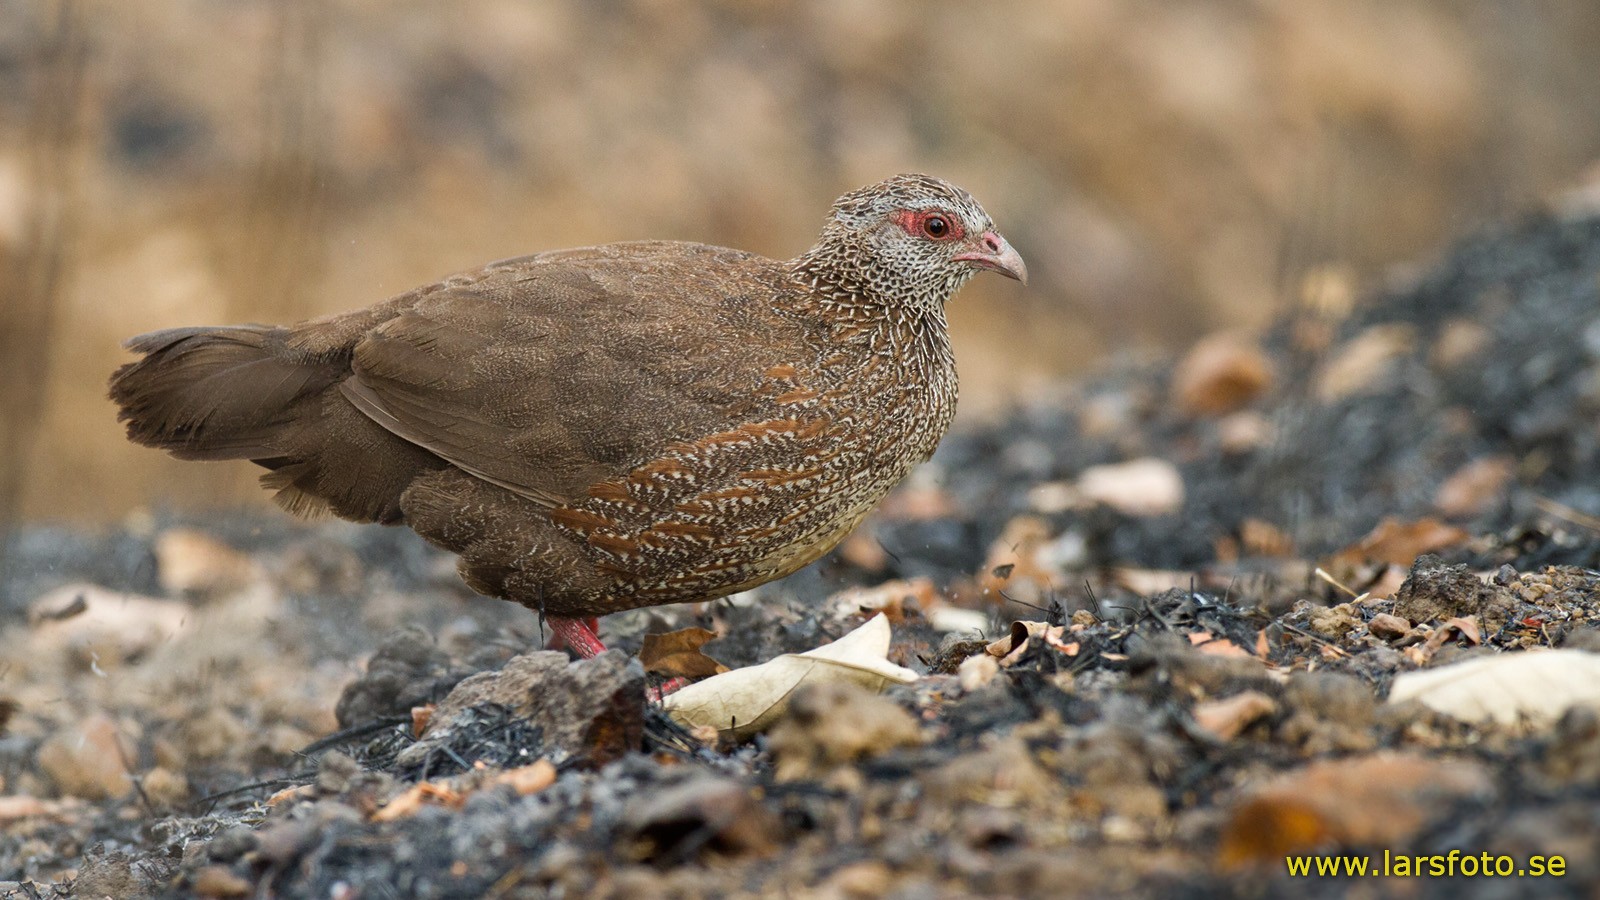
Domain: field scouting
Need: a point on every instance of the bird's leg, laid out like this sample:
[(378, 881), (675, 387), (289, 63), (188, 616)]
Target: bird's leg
[(577, 634), (580, 635)]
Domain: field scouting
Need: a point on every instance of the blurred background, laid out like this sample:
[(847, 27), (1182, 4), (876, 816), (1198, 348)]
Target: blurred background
[(1166, 167)]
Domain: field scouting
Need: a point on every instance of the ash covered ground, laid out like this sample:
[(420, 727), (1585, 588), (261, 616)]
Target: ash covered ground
[(1133, 678)]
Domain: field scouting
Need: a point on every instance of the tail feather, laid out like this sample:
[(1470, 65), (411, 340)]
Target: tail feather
[(215, 393), (247, 392)]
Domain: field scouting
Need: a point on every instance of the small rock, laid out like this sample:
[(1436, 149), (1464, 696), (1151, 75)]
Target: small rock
[(86, 759), (165, 788), (832, 724), (592, 710), (977, 671), (115, 874), (221, 883), (1388, 627), (1435, 592), (407, 671), (1329, 712), (704, 812)]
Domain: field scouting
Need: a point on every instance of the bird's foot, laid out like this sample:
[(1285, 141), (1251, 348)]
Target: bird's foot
[(670, 686), (578, 635)]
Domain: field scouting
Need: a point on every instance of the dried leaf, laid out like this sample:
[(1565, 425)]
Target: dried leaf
[(1364, 361), (889, 598), (1474, 487), (678, 653), (749, 700), (1215, 646), (529, 779), (1221, 373), (1400, 543), (1537, 686), (417, 796), (1377, 799), (1139, 487), (1228, 717)]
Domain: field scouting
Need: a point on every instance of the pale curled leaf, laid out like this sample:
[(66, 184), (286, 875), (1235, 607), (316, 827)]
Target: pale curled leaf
[(746, 701), (1536, 686)]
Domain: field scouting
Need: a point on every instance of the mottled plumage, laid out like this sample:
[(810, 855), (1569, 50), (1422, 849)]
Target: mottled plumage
[(604, 428)]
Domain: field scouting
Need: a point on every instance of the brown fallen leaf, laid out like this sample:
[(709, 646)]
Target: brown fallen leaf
[(1221, 373), (1468, 627), (420, 717), (677, 653), (1215, 645), (890, 598), (1258, 537), (1363, 361), (1400, 543), (1380, 799), (1228, 717), (1474, 487)]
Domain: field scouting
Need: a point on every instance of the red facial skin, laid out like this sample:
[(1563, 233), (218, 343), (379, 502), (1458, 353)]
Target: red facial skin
[(915, 223)]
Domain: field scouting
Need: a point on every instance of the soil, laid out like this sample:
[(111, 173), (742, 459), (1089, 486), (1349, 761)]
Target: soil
[(1164, 697)]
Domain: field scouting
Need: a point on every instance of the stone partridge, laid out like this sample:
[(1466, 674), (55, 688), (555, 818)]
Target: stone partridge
[(605, 428)]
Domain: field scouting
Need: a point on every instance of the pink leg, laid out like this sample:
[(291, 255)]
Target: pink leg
[(578, 634)]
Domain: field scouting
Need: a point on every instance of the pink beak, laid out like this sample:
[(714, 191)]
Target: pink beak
[(992, 252)]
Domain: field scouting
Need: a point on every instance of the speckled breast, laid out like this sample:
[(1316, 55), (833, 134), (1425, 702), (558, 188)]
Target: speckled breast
[(827, 438)]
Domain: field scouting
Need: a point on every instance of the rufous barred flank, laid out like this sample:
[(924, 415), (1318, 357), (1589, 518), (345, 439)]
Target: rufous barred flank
[(604, 428)]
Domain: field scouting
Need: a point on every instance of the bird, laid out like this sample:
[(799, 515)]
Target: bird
[(604, 428)]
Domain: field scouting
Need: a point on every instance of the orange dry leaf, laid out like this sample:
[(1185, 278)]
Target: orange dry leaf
[(418, 796), (298, 792), (1380, 799), (677, 653), (529, 779), (1214, 645), (1221, 373), (420, 717)]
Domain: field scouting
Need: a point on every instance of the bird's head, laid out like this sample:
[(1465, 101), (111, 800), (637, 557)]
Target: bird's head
[(914, 234)]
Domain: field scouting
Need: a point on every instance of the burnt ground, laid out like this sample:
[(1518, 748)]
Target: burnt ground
[(231, 707)]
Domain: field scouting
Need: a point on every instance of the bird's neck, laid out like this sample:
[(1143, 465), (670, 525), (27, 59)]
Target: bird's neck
[(836, 280), (903, 319)]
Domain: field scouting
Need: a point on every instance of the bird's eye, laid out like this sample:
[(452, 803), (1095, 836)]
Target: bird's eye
[(936, 226)]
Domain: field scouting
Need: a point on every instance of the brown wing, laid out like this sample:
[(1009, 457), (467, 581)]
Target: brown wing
[(548, 374)]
